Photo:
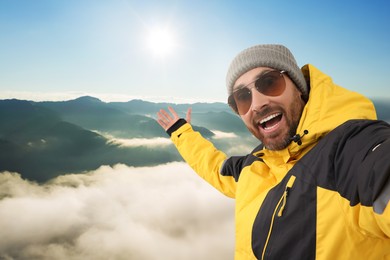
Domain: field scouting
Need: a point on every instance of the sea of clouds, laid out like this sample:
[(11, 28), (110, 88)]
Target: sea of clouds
[(120, 212)]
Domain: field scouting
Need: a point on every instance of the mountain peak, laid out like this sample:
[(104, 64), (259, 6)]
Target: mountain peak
[(88, 99)]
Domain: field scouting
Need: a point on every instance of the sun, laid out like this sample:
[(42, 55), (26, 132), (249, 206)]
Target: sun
[(161, 41)]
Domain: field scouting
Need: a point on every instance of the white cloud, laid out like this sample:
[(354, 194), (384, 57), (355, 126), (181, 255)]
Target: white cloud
[(223, 135), (163, 212), (137, 142)]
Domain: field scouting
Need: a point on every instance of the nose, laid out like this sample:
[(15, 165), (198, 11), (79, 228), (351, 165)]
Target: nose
[(258, 100)]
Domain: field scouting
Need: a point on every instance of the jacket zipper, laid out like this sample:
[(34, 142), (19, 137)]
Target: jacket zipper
[(281, 205)]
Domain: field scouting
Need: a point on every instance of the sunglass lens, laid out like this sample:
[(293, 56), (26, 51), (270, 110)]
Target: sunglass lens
[(243, 99), (271, 84)]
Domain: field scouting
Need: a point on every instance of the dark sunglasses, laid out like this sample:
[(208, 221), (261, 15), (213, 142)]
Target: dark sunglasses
[(271, 84)]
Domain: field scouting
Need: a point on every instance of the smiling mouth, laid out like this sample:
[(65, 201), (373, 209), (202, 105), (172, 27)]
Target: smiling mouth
[(270, 121)]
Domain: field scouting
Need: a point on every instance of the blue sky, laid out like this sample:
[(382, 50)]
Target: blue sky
[(61, 49)]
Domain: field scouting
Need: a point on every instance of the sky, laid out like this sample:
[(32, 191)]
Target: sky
[(179, 51)]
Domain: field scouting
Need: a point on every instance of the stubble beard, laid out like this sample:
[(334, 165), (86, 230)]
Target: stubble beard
[(292, 119), (285, 140)]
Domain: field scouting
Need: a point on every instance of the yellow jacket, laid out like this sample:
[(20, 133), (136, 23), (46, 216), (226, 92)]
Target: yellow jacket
[(323, 199)]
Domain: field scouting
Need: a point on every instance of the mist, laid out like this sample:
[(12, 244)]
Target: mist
[(120, 212)]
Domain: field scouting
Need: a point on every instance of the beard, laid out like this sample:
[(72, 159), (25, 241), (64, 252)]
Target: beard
[(285, 139), (280, 140)]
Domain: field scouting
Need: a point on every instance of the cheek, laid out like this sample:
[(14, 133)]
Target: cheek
[(293, 101), (295, 111), (250, 126), (246, 119)]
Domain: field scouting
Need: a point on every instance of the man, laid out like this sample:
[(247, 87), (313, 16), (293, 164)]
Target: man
[(318, 187)]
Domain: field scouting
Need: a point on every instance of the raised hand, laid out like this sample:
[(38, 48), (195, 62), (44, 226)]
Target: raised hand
[(166, 120)]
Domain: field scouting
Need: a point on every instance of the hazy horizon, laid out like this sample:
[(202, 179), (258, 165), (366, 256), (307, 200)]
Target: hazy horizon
[(107, 98)]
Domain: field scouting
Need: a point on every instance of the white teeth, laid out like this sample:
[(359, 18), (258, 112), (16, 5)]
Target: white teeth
[(269, 118)]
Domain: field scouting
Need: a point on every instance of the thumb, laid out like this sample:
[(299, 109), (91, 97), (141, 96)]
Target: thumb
[(188, 115)]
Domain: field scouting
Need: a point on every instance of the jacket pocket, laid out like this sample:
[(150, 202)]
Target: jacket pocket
[(280, 206), (283, 199)]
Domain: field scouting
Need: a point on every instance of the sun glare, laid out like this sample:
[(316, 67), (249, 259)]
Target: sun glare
[(161, 41)]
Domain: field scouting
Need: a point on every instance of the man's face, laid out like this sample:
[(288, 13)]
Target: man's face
[(272, 119)]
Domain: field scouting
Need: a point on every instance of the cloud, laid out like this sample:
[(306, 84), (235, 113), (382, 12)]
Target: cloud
[(137, 142), (223, 135), (120, 212)]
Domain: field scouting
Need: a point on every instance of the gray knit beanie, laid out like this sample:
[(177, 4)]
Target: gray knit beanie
[(266, 55)]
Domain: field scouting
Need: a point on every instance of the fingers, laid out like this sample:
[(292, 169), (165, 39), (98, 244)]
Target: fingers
[(173, 112), (166, 120), (164, 115)]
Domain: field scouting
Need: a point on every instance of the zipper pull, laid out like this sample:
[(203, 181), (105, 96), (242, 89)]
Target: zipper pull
[(285, 194), (290, 183)]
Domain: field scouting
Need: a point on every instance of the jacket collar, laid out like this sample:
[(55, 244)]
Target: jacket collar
[(328, 106)]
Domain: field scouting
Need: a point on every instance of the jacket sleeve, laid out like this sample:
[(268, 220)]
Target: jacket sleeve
[(374, 184), (202, 157), (365, 158)]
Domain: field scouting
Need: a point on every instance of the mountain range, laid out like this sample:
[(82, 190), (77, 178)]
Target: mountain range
[(41, 140)]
